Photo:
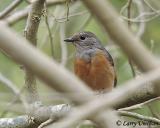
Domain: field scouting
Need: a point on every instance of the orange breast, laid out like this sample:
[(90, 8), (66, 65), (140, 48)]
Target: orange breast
[(98, 74)]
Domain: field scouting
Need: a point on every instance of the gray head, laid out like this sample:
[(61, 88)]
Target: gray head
[(87, 42), (84, 41)]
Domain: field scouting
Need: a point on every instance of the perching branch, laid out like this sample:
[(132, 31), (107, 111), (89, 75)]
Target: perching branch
[(40, 115)]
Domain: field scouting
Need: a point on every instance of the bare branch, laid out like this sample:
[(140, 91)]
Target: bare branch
[(12, 6), (31, 29), (17, 16), (34, 20)]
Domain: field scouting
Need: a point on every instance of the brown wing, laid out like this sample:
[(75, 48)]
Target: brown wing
[(109, 57)]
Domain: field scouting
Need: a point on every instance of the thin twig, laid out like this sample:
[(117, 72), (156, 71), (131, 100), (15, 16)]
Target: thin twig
[(142, 25), (64, 19), (150, 6), (16, 97), (6, 82), (153, 111), (15, 91), (139, 116), (88, 19), (141, 18), (67, 6), (129, 26), (50, 1), (139, 106), (129, 12), (49, 30), (47, 122)]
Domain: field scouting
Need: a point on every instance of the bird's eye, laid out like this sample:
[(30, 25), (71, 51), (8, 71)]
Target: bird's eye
[(82, 37)]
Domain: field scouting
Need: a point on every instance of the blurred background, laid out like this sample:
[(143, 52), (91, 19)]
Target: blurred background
[(65, 19)]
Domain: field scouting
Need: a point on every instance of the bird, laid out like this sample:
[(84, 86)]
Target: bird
[(93, 63)]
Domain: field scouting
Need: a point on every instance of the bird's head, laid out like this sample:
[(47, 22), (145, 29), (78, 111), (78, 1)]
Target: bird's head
[(84, 40)]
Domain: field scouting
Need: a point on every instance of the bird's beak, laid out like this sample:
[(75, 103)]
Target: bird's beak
[(69, 40)]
